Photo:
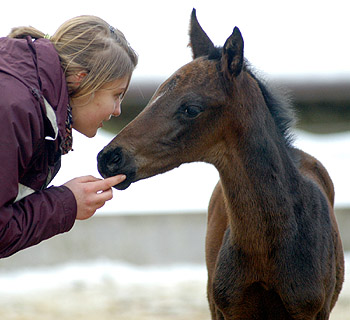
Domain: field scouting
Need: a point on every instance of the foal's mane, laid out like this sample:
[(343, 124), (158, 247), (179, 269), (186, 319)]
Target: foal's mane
[(279, 105), (278, 102)]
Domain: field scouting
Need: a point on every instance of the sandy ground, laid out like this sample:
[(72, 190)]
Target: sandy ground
[(113, 291)]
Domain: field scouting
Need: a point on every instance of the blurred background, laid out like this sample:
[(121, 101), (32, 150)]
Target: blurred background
[(142, 255)]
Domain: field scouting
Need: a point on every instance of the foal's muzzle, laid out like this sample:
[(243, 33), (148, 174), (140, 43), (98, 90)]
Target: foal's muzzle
[(111, 162)]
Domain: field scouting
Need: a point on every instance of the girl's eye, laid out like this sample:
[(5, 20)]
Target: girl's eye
[(119, 96)]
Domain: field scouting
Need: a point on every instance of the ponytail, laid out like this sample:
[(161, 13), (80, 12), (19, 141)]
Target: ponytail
[(22, 32)]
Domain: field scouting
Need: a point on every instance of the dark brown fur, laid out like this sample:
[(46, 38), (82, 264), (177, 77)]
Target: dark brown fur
[(273, 249)]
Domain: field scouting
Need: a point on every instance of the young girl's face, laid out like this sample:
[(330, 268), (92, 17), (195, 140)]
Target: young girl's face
[(88, 113)]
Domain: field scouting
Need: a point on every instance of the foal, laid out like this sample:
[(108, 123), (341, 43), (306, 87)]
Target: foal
[(273, 249)]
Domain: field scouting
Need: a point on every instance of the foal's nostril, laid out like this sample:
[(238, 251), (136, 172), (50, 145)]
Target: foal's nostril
[(115, 159), (113, 162), (110, 161)]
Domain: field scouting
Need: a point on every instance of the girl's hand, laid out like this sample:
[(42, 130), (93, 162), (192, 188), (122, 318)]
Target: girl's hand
[(91, 193)]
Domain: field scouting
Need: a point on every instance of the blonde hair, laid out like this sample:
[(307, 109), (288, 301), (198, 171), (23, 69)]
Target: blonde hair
[(89, 44)]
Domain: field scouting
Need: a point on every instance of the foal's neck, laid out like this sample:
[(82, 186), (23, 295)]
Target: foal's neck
[(258, 183)]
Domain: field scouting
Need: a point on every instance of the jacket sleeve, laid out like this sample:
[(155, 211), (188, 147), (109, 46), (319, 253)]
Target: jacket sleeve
[(44, 213), (35, 218)]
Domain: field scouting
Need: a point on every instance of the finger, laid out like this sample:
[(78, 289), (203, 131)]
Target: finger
[(109, 182), (105, 195), (88, 179), (102, 198)]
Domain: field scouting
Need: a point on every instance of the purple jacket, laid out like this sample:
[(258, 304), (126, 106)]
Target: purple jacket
[(31, 132)]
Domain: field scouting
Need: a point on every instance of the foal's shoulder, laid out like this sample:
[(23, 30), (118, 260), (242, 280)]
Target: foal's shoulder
[(314, 169)]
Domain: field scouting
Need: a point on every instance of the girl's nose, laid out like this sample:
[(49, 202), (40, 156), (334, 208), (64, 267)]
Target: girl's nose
[(117, 109)]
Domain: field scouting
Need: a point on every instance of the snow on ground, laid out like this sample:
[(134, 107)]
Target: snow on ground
[(113, 290)]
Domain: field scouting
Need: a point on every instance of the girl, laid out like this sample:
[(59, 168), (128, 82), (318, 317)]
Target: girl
[(76, 79)]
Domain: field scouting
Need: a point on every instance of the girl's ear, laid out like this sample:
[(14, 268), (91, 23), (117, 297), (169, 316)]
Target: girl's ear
[(76, 79), (81, 75)]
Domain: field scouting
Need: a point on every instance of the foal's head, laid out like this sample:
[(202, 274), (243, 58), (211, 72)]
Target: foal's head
[(205, 108)]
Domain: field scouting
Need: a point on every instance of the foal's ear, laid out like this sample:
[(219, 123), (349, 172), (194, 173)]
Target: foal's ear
[(199, 41), (232, 54)]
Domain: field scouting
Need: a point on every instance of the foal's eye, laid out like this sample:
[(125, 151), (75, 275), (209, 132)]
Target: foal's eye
[(192, 111)]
